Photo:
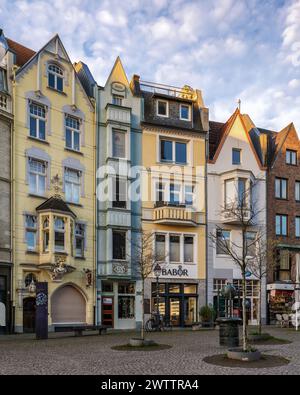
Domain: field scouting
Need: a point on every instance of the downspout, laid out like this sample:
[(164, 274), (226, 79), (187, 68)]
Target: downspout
[(97, 145), (206, 218)]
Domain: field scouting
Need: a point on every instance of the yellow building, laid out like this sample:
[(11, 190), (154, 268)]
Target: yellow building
[(54, 188), (174, 145)]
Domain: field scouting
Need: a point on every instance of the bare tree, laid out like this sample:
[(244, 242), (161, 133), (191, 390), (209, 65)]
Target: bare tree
[(260, 264), (145, 258), (243, 211)]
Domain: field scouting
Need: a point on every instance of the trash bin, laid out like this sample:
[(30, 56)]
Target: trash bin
[(229, 331)]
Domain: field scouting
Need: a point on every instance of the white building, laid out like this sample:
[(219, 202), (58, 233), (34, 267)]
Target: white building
[(234, 166)]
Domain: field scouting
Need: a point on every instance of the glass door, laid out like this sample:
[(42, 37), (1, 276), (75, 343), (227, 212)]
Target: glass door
[(175, 311), (190, 310)]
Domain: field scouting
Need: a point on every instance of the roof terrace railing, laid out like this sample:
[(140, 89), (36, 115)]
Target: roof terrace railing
[(183, 93)]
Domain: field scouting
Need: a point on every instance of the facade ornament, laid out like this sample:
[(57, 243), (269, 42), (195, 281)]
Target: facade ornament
[(32, 287), (89, 277), (120, 268), (57, 185), (60, 268)]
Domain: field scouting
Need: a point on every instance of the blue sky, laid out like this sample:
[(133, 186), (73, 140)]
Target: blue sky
[(230, 49)]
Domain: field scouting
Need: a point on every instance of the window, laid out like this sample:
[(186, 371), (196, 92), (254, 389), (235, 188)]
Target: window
[(3, 80), (180, 153), (119, 193), (29, 279), (297, 226), (72, 185), (242, 192), (46, 232), (162, 108), (160, 247), (185, 114), (281, 225), (31, 232), (59, 234), (126, 301), (280, 188), (229, 193), (219, 284), (37, 177), (160, 192), (79, 240), (188, 249), (173, 151), (37, 121), (284, 267), (174, 248), (236, 156), (117, 100), (55, 78), (119, 245), (107, 286), (223, 242), (119, 139), (175, 194), (188, 195), (250, 240), (72, 133), (291, 157), (297, 191)]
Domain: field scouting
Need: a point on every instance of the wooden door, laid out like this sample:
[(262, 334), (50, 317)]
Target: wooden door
[(108, 311), (29, 315)]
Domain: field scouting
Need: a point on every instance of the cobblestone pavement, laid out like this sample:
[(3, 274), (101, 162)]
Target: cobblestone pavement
[(21, 354)]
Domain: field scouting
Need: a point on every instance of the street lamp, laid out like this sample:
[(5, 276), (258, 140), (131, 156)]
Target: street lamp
[(157, 273)]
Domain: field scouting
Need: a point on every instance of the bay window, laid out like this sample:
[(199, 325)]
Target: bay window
[(46, 234), (59, 234)]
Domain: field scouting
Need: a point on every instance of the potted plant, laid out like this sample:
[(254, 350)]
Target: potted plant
[(207, 315)]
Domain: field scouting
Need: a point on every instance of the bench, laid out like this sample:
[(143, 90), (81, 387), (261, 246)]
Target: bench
[(79, 329)]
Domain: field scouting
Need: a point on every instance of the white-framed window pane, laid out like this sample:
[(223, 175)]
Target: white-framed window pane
[(297, 191), (72, 185), (119, 141), (230, 193), (189, 195), (250, 244), (297, 225), (188, 249), (162, 108), (174, 248), (185, 112), (160, 247), (31, 240), (117, 100), (175, 193)]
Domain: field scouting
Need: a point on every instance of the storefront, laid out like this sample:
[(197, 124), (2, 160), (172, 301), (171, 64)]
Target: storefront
[(178, 302), (281, 297), (119, 304), (5, 300)]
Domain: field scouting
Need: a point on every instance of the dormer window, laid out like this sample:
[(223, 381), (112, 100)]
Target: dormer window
[(117, 100), (59, 234), (162, 109), (55, 77), (185, 112), (3, 80)]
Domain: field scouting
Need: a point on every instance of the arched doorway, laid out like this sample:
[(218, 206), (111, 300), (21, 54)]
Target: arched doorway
[(29, 308), (68, 306)]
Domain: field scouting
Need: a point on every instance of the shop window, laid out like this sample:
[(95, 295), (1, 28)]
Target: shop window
[(219, 284), (107, 286), (119, 245), (190, 288), (161, 288), (126, 300), (126, 288), (174, 288)]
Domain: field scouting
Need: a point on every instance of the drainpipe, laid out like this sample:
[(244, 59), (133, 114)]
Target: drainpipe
[(97, 146)]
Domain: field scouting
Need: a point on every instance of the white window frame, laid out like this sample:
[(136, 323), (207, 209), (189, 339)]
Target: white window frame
[(174, 142), (73, 185), (73, 131), (124, 132), (81, 237), (30, 229), (167, 108), (118, 100), (289, 155), (189, 117), (37, 177), (37, 118), (114, 184), (58, 230), (56, 74)]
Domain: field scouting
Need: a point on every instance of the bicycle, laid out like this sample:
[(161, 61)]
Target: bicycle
[(157, 323)]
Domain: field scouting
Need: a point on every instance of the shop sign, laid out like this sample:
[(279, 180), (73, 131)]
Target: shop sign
[(175, 272)]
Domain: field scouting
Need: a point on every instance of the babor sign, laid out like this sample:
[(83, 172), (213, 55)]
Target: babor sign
[(175, 272)]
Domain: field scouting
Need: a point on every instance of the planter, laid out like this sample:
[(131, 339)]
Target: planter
[(134, 342), (239, 355), (262, 337)]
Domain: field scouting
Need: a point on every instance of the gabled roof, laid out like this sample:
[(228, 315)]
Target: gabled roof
[(278, 140), (23, 54), (118, 65), (55, 203), (219, 132)]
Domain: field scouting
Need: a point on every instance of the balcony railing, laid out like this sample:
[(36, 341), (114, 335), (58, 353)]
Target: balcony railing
[(183, 93), (118, 114), (5, 102), (180, 215)]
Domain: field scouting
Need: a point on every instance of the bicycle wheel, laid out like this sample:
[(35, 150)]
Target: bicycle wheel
[(149, 325)]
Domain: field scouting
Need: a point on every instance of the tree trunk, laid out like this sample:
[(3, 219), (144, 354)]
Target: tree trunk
[(259, 308), (143, 310), (245, 324)]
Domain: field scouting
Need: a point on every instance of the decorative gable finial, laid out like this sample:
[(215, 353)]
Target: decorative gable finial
[(57, 185), (239, 104)]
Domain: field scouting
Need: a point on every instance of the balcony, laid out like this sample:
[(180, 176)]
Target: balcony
[(236, 216), (175, 215), (5, 102), (186, 92), (119, 114)]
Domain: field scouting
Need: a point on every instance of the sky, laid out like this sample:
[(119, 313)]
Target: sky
[(230, 49)]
